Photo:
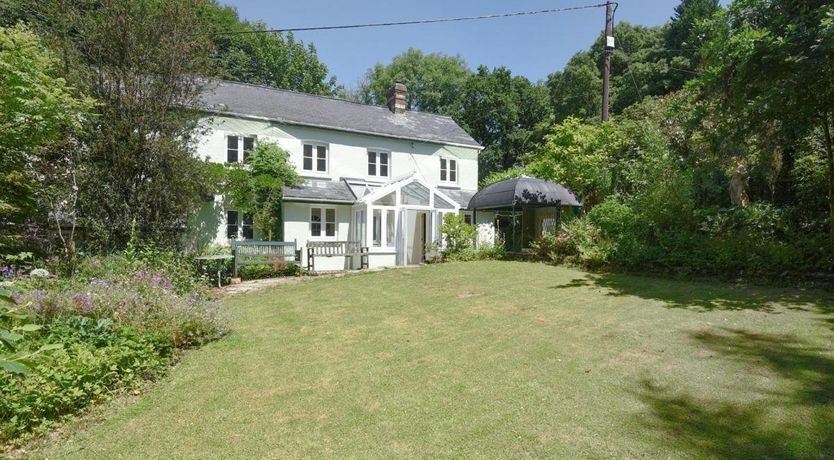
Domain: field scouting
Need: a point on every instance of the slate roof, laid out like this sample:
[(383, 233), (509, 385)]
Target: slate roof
[(309, 110), (335, 191), (346, 191)]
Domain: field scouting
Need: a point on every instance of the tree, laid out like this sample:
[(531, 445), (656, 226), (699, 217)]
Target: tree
[(682, 31), (434, 81), (577, 155), (773, 62), (143, 61), (270, 59), (501, 111), (256, 187), (684, 37), (12, 12), (638, 66), (576, 91), (37, 110)]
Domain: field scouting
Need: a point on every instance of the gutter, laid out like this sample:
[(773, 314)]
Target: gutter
[(479, 148)]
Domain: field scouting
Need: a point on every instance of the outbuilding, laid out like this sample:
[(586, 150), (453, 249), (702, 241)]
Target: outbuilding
[(523, 209)]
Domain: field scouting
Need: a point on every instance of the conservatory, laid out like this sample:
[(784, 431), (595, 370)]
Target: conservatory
[(400, 221)]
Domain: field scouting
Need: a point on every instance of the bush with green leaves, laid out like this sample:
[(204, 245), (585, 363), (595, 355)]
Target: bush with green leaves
[(96, 360), (457, 234), (261, 271), (15, 325), (495, 251), (256, 187)]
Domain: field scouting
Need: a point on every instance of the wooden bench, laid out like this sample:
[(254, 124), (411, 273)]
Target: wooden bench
[(335, 249), (264, 252)]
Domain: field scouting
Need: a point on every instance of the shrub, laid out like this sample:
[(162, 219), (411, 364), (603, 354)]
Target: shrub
[(276, 269), (485, 252), (457, 234), (553, 248), (256, 272), (144, 300)]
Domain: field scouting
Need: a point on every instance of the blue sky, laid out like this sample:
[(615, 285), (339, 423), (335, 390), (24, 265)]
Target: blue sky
[(533, 46)]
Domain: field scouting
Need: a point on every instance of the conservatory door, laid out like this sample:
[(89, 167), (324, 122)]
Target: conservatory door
[(416, 225)]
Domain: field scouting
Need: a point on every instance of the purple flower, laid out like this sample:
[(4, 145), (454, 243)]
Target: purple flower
[(39, 295), (99, 283), (42, 304), (84, 302), (7, 271), (154, 280)]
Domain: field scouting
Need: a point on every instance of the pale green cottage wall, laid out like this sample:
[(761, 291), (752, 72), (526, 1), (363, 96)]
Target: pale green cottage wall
[(297, 227), (347, 158), (347, 151)]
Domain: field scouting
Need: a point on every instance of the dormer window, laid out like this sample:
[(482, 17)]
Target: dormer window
[(448, 170), (238, 147), (315, 158), (378, 165)]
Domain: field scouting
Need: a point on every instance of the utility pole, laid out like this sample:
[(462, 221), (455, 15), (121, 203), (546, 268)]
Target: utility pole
[(606, 56)]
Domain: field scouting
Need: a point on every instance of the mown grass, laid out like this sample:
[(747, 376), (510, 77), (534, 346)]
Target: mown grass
[(494, 359)]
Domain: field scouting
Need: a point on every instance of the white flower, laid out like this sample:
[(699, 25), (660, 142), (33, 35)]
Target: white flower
[(38, 273)]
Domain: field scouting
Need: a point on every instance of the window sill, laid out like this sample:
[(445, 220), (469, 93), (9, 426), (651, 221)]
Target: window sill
[(314, 175)]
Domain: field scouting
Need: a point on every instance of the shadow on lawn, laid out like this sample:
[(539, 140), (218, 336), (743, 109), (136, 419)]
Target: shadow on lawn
[(797, 422), (706, 296)]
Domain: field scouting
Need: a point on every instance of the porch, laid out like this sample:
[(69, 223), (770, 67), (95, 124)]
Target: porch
[(398, 222)]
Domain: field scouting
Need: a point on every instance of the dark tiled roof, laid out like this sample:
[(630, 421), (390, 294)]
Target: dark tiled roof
[(523, 191), (462, 197), (309, 110), (320, 190)]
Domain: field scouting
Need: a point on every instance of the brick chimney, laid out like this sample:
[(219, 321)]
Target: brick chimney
[(397, 98)]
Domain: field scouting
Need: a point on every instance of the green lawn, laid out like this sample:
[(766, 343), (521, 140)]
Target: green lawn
[(494, 359)]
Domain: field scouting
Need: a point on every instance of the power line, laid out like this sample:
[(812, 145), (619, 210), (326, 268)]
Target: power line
[(625, 55), (413, 22)]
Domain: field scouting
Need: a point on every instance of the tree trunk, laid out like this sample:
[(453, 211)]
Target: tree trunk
[(830, 160)]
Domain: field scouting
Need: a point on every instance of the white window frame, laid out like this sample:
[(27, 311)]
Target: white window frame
[(377, 227), (389, 219), (240, 223), (323, 231), (314, 166), (243, 225), (377, 163), (238, 216), (447, 170), (241, 153)]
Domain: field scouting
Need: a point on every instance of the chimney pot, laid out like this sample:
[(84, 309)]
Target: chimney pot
[(397, 98)]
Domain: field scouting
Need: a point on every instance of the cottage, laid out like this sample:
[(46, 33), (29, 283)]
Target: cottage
[(381, 176)]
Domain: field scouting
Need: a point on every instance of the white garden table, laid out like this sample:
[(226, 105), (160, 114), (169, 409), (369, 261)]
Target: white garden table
[(218, 260)]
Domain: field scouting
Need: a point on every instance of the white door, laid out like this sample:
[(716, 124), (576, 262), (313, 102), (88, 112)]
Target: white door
[(416, 223)]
